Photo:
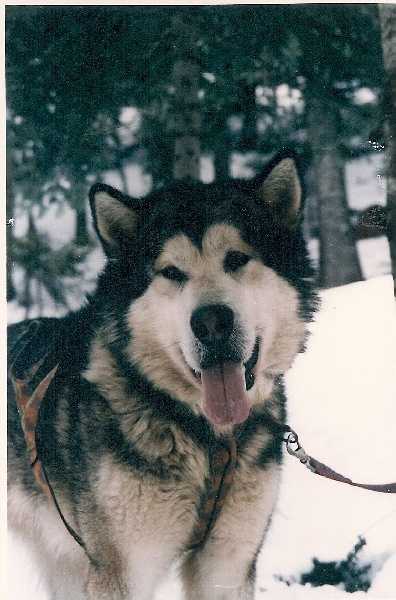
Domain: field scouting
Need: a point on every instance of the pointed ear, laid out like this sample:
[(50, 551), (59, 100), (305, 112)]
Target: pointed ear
[(114, 217), (280, 189)]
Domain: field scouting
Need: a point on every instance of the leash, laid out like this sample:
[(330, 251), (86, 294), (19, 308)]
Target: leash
[(318, 468), (223, 459)]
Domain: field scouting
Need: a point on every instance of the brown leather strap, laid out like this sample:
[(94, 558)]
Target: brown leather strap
[(28, 405), (69, 528), (315, 466), (324, 471), (222, 468)]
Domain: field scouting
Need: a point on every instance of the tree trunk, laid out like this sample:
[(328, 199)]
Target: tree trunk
[(81, 237), (222, 151), (388, 32), (311, 216), (123, 177), (248, 104), (27, 300), (186, 121), (222, 162), (10, 216), (339, 263), (161, 155)]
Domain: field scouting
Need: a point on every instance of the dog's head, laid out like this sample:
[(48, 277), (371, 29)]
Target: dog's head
[(209, 286)]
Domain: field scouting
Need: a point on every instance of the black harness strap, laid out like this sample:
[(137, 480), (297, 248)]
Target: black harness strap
[(222, 469)]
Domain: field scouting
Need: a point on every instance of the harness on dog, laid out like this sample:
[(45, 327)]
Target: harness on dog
[(28, 405), (223, 459), (222, 466), (28, 402)]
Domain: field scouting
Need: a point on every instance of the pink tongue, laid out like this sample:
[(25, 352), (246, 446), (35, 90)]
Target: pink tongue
[(225, 398)]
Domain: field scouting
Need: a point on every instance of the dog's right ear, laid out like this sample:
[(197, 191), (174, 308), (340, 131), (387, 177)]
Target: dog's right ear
[(114, 217), (279, 188)]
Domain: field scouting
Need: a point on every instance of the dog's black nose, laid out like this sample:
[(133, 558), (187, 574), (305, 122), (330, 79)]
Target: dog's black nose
[(212, 323)]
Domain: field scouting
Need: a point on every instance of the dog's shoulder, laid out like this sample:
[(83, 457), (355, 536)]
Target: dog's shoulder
[(30, 341), (47, 341)]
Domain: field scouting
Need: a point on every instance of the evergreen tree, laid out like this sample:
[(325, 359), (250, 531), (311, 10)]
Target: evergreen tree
[(332, 69), (185, 115), (72, 70), (388, 27)]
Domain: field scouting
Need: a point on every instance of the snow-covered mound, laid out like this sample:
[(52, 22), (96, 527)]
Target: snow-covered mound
[(342, 402)]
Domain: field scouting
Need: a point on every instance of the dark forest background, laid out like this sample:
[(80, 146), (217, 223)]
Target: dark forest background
[(204, 80)]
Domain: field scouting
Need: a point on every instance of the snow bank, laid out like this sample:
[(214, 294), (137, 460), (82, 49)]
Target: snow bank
[(281, 591), (342, 403)]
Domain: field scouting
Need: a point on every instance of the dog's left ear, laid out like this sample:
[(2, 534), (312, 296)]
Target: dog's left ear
[(279, 188), (114, 217)]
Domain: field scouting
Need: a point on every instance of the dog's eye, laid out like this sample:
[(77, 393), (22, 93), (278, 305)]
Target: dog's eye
[(174, 274), (235, 260)]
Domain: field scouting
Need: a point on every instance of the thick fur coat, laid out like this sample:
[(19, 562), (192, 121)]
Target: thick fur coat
[(199, 312)]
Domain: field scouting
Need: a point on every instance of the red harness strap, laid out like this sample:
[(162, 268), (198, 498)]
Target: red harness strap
[(28, 405)]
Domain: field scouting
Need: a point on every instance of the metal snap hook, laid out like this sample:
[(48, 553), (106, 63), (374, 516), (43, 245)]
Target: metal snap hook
[(292, 440)]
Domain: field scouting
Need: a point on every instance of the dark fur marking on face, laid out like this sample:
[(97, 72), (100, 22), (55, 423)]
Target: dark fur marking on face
[(235, 260)]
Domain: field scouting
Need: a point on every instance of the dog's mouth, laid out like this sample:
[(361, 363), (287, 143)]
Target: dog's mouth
[(224, 387)]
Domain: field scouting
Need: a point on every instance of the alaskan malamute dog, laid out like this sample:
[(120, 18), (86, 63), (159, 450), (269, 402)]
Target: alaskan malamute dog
[(199, 312)]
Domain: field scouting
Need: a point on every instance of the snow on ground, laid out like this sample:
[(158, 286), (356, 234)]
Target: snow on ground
[(342, 404), (374, 256)]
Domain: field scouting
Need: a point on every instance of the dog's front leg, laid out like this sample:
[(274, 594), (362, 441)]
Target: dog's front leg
[(105, 583), (224, 568), (218, 573), (137, 580)]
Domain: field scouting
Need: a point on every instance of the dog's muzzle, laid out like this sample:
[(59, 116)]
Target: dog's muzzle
[(224, 376)]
